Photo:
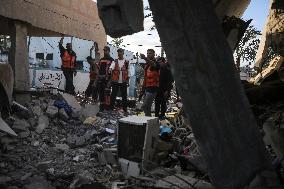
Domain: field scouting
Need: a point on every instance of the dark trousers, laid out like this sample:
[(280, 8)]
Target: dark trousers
[(123, 90), (160, 104), (68, 74), (102, 85), (91, 90)]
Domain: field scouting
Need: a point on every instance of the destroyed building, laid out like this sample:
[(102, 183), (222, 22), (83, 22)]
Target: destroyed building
[(227, 134)]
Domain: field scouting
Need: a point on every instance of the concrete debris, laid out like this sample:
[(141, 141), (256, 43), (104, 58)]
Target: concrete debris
[(20, 125), (24, 134), (175, 182), (90, 110), (63, 115), (62, 147), (65, 152), (5, 127), (71, 100), (43, 122), (51, 111), (37, 110)]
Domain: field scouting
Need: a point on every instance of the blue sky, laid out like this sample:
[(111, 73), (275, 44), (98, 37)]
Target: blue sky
[(140, 42), (258, 11)]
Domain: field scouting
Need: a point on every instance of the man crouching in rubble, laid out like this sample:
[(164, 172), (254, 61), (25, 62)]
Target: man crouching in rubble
[(68, 59), (151, 80)]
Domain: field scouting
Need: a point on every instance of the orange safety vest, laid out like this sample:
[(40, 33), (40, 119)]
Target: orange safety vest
[(68, 61), (116, 71), (151, 78), (103, 67)]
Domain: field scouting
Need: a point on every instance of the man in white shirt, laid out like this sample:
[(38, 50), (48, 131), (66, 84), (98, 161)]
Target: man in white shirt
[(119, 79)]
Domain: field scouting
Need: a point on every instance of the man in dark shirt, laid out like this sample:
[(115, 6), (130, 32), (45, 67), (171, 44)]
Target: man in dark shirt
[(166, 85), (68, 59), (104, 78), (151, 80)]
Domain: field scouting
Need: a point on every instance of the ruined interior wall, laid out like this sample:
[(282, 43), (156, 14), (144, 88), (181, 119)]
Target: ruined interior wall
[(52, 17)]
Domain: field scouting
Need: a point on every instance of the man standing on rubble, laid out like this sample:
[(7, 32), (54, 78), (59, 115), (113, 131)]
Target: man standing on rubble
[(151, 80), (68, 59), (165, 87), (104, 78), (92, 87), (119, 79)]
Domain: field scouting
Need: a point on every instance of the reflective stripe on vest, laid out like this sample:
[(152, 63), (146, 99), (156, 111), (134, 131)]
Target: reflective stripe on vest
[(116, 71), (68, 61), (152, 78)]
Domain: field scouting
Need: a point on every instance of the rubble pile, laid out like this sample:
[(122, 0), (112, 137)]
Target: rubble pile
[(59, 148)]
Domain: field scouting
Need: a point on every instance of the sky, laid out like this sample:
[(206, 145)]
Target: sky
[(140, 42)]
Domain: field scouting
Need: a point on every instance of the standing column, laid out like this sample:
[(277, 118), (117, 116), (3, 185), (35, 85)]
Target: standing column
[(18, 58)]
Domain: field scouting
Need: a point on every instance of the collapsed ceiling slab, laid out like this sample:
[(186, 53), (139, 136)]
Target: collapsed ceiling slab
[(53, 18)]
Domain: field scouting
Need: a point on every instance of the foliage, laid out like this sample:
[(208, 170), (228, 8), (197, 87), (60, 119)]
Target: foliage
[(247, 47), (117, 42)]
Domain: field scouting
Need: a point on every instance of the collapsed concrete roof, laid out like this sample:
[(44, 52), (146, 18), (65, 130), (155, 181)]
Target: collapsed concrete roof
[(53, 17)]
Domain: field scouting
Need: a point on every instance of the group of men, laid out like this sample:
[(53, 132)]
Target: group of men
[(108, 76)]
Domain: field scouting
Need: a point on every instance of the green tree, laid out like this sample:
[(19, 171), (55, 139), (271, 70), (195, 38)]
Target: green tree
[(247, 47), (117, 42)]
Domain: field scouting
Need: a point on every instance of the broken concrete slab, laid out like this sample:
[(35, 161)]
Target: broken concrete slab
[(43, 122), (5, 127)]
